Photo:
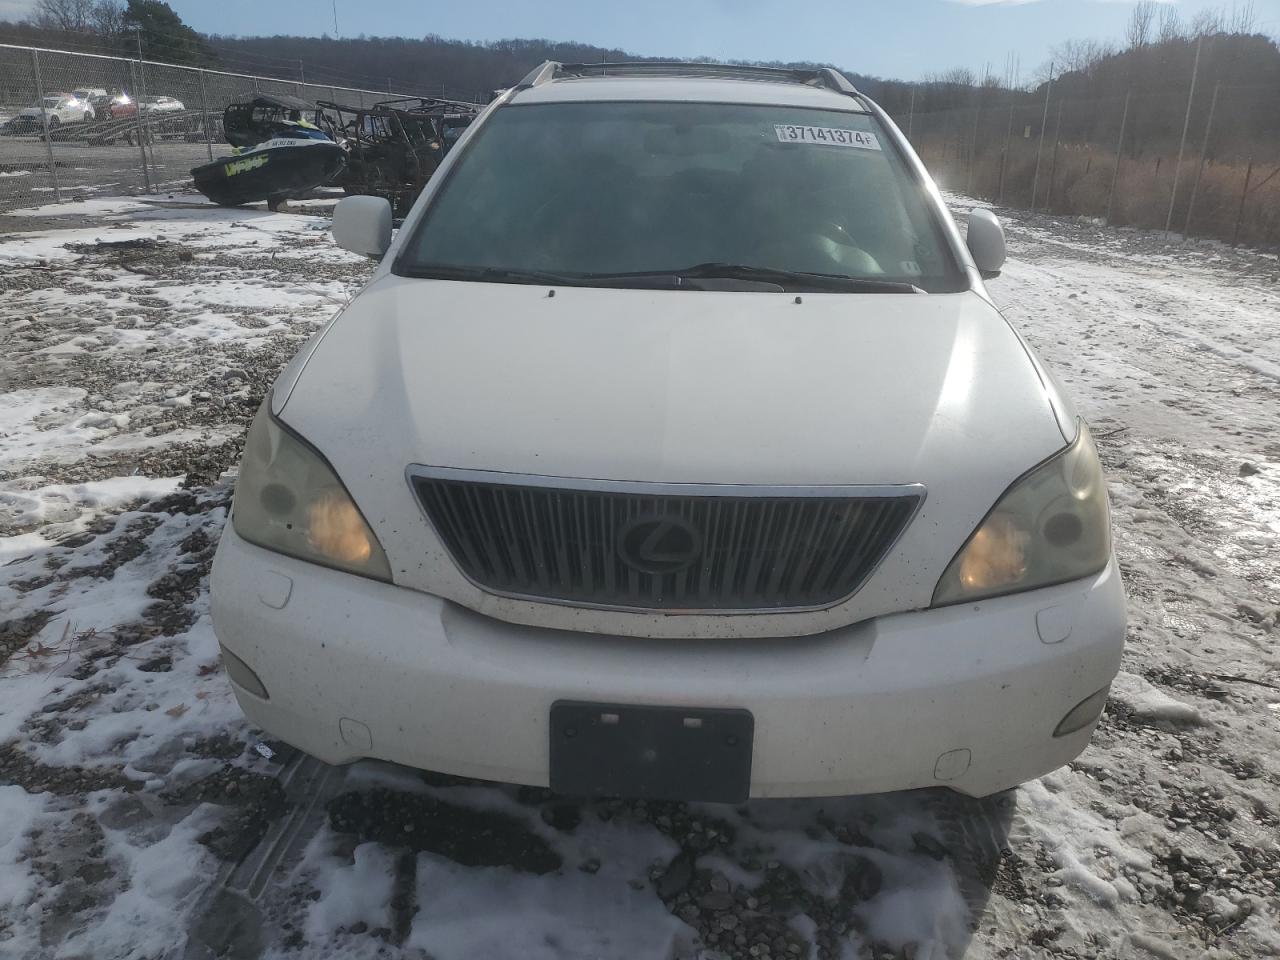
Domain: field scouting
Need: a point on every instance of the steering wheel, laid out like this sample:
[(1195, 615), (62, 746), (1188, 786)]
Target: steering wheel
[(834, 231), (818, 247)]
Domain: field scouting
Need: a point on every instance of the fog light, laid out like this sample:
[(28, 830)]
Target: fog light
[(1083, 713), (242, 675)]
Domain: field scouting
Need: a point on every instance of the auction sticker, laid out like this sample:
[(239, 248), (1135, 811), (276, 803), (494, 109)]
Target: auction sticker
[(829, 136)]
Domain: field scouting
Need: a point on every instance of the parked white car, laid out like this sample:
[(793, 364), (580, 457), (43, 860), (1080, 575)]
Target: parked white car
[(162, 105), (59, 108), (675, 449)]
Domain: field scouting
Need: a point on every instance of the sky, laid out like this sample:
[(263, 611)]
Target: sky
[(899, 39)]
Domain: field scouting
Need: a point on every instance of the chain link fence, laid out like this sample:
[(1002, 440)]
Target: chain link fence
[(77, 125), (1117, 158)]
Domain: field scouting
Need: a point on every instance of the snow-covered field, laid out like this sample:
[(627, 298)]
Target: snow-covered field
[(141, 817)]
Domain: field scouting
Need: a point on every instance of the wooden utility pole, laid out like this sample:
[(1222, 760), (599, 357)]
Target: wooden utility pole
[(1044, 120), (1186, 123), (1115, 174)]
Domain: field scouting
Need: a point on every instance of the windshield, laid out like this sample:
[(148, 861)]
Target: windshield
[(600, 189)]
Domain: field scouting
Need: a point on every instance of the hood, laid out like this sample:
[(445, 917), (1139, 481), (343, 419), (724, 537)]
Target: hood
[(677, 386)]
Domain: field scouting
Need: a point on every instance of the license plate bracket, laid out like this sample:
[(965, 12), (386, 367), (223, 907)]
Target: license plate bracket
[(650, 752)]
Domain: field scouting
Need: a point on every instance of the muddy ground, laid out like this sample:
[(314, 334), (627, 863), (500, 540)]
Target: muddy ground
[(141, 817)]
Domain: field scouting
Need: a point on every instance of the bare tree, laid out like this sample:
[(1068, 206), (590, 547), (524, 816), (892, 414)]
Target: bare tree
[(64, 14), (1141, 22), (1042, 74), (1081, 56), (955, 77), (1243, 18), (1208, 23), (1012, 71), (1170, 26), (108, 17)]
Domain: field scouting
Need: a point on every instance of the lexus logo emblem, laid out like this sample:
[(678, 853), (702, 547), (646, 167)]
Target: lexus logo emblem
[(659, 545)]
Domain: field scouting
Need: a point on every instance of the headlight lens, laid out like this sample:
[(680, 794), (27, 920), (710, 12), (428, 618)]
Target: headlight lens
[(288, 499), (1050, 527)]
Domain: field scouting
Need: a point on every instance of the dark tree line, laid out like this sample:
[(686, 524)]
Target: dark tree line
[(112, 27)]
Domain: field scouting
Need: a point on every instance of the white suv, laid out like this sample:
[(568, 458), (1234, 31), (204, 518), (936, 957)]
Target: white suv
[(56, 109), (675, 449)]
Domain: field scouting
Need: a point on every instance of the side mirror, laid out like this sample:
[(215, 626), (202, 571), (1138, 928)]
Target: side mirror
[(363, 225), (986, 242)]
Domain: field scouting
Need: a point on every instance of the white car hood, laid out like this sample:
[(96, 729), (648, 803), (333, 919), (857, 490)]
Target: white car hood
[(674, 386)]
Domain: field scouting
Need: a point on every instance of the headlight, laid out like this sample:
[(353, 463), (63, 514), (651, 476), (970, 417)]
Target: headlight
[(288, 499), (1051, 526)]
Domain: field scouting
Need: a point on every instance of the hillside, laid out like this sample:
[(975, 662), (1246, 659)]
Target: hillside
[(434, 61), (1154, 72)]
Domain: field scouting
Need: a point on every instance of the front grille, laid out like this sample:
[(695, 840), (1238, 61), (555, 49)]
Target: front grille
[(663, 546)]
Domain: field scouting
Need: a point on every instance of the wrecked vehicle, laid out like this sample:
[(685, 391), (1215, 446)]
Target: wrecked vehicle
[(394, 146), (281, 169), (278, 154), (258, 117)]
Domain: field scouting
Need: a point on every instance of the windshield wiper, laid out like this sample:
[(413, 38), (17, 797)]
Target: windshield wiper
[(658, 280), (787, 279), (445, 271), (681, 278)]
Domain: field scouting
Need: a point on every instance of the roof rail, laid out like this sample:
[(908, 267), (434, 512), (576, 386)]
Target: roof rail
[(827, 77), (540, 74)]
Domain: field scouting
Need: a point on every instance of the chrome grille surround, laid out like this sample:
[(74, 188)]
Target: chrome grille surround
[(759, 549)]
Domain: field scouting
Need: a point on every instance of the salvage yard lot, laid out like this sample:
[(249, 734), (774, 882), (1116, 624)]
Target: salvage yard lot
[(141, 817)]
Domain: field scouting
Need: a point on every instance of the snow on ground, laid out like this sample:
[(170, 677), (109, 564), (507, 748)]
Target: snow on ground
[(139, 818)]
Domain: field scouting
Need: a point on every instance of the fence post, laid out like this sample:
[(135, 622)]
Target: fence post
[(1053, 163), (1204, 149), (1115, 174), (137, 126), (144, 133), (1186, 122), (911, 111), (204, 113), (1235, 234), (44, 125), (1004, 157), (1044, 121)]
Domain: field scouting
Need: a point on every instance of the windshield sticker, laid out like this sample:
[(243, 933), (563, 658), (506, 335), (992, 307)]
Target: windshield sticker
[(828, 136)]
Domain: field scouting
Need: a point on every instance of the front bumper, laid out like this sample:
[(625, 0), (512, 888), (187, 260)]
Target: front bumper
[(966, 697)]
